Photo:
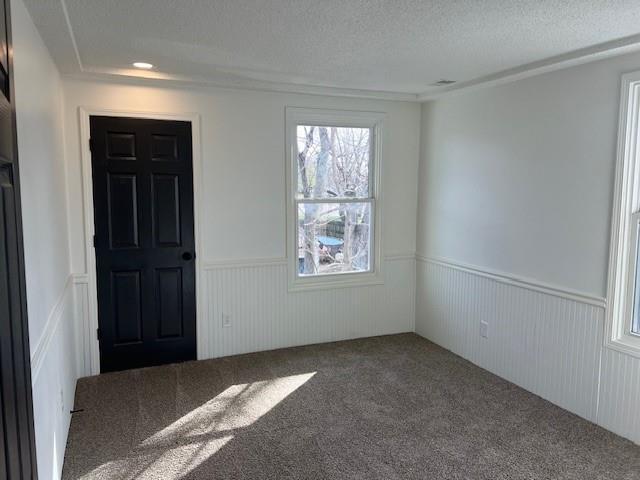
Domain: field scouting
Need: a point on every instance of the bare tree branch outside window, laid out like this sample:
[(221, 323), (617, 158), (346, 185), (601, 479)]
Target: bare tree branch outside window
[(334, 227)]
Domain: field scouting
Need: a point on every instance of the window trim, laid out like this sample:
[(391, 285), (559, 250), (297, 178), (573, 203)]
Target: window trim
[(626, 204), (295, 116)]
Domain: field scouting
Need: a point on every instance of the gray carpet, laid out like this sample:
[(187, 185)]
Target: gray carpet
[(395, 407)]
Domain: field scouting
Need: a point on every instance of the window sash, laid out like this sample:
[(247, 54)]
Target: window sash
[(299, 199), (371, 164), (372, 220), (632, 314), (335, 200)]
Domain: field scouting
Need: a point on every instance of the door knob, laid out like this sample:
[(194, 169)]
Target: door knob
[(187, 256)]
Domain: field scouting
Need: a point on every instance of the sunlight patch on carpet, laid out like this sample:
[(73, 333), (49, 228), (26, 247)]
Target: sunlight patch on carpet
[(182, 446), (237, 407)]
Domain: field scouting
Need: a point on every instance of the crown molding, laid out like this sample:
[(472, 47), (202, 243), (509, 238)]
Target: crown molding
[(241, 84), (559, 62), (72, 35)]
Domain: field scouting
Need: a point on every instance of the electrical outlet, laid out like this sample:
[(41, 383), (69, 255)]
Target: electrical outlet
[(484, 329), (226, 320)]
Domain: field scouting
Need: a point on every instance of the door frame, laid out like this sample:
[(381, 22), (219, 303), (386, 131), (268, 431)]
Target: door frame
[(89, 339)]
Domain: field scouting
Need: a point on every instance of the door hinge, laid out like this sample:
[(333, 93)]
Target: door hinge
[(98, 333), (91, 145), (94, 241)]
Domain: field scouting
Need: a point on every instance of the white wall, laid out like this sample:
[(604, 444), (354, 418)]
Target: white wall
[(515, 192), (243, 178), (50, 306), (519, 178)]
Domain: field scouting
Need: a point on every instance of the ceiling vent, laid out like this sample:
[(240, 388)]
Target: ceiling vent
[(442, 83)]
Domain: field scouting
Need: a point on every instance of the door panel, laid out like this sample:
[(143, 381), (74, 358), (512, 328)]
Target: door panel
[(143, 209), (164, 148), (121, 146), (166, 210), (7, 311), (169, 302), (127, 306), (123, 210)]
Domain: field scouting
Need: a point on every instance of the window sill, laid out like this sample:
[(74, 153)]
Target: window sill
[(627, 344), (333, 282)]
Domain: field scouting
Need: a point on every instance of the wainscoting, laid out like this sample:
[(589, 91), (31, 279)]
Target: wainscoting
[(546, 340), (619, 409), (86, 339), (53, 367), (543, 339), (264, 315)]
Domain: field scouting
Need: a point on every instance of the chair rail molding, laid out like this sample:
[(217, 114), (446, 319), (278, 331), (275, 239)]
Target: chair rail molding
[(517, 281), (49, 331)]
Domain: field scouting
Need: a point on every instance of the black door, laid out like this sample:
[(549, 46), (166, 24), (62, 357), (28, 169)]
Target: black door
[(143, 206), (17, 451)]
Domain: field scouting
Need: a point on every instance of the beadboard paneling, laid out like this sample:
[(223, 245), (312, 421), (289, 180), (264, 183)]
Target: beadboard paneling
[(545, 343), (53, 380), (84, 331), (619, 409), (264, 315)]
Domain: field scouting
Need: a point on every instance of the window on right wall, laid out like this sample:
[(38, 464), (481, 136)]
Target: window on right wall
[(623, 290)]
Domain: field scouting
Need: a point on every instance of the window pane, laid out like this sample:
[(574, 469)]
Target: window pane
[(333, 161), (334, 238)]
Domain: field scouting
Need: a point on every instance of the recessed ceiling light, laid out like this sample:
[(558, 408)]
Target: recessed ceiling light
[(143, 65)]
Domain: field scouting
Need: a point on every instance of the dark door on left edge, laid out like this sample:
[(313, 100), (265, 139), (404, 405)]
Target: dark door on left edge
[(144, 243), (17, 445)]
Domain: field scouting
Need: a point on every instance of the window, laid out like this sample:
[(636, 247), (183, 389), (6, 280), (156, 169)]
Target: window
[(623, 291), (635, 272), (333, 160)]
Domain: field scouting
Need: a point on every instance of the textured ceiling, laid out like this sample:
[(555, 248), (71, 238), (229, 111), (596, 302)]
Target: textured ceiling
[(385, 45)]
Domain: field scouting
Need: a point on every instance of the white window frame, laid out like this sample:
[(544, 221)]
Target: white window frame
[(335, 118), (624, 223)]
